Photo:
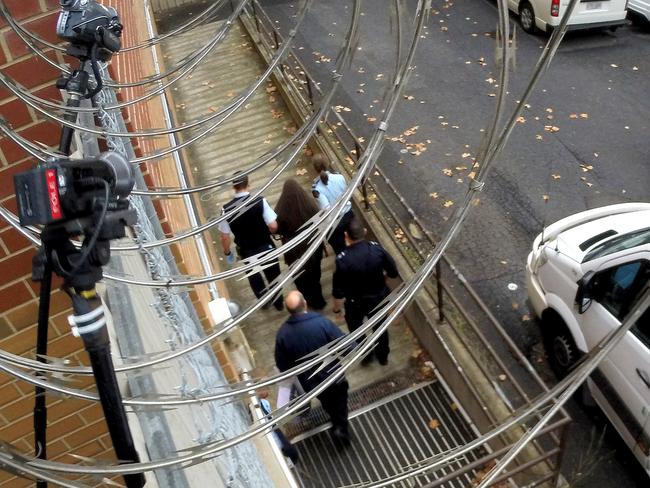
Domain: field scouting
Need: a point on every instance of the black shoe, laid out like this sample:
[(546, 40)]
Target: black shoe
[(383, 361), (291, 452), (367, 359), (341, 438)]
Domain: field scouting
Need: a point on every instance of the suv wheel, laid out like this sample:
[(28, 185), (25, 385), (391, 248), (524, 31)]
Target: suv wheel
[(527, 17), (561, 349)]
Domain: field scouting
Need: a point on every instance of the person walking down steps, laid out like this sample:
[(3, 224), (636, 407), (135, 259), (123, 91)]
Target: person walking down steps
[(360, 282), (295, 207), (252, 230), (303, 333), (327, 188)]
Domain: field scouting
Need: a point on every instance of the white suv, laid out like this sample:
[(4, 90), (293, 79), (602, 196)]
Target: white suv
[(545, 15), (583, 276)]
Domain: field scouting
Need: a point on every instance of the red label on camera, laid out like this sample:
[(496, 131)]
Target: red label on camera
[(53, 194)]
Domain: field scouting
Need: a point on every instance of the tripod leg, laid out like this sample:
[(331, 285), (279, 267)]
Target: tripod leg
[(90, 324), (40, 409)]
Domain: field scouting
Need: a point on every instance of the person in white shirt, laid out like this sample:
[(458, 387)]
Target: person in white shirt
[(252, 230), (327, 188)]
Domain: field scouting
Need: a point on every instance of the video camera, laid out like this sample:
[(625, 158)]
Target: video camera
[(87, 25), (66, 189)]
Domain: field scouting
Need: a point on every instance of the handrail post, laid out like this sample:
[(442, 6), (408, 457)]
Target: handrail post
[(364, 183), (309, 90), (441, 315), (257, 20)]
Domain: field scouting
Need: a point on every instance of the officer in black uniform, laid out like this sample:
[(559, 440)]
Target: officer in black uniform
[(252, 230), (360, 280)]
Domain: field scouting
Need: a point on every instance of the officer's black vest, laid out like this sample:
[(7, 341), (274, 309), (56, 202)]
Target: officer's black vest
[(251, 232)]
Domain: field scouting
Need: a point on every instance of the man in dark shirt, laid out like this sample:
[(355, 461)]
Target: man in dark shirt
[(252, 230), (303, 333), (360, 280)]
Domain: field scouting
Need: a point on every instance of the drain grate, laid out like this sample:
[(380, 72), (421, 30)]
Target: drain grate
[(388, 437), (357, 400)]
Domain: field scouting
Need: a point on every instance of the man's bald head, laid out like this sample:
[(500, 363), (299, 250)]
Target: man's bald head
[(295, 302)]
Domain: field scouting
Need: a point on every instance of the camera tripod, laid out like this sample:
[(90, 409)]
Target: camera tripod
[(81, 269)]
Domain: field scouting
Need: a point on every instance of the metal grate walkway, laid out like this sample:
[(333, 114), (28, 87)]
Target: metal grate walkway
[(393, 434)]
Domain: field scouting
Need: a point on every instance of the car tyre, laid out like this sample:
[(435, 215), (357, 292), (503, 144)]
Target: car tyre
[(527, 17), (561, 349)]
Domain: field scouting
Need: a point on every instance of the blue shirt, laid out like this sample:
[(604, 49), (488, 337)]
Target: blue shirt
[(330, 193), (299, 336)]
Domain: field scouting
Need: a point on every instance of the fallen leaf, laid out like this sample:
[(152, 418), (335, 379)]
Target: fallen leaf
[(584, 116), (371, 119), (301, 172), (546, 198), (556, 176), (434, 194), (448, 204), (434, 423), (447, 172), (614, 65), (502, 377)]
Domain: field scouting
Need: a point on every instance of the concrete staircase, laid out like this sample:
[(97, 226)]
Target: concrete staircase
[(258, 127)]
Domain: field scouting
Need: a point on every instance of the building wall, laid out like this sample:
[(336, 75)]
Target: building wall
[(73, 425)]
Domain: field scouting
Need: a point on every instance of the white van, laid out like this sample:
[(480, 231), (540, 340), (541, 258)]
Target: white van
[(639, 9), (545, 15), (584, 275)]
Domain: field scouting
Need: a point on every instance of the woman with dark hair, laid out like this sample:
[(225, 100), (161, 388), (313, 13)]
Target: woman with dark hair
[(294, 208), (327, 188)]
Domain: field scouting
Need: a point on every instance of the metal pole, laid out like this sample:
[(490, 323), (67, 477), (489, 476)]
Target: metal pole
[(441, 315), (309, 90)]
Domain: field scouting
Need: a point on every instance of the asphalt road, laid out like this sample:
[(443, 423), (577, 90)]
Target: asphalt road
[(583, 142)]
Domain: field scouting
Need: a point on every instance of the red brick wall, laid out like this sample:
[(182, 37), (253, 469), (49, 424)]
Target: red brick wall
[(73, 425)]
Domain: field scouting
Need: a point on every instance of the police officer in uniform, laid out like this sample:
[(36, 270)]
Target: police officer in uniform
[(360, 280), (327, 188), (252, 230)]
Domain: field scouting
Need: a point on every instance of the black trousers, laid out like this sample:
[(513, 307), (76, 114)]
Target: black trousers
[(335, 402), (270, 272), (337, 239), (356, 309), (308, 281)]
